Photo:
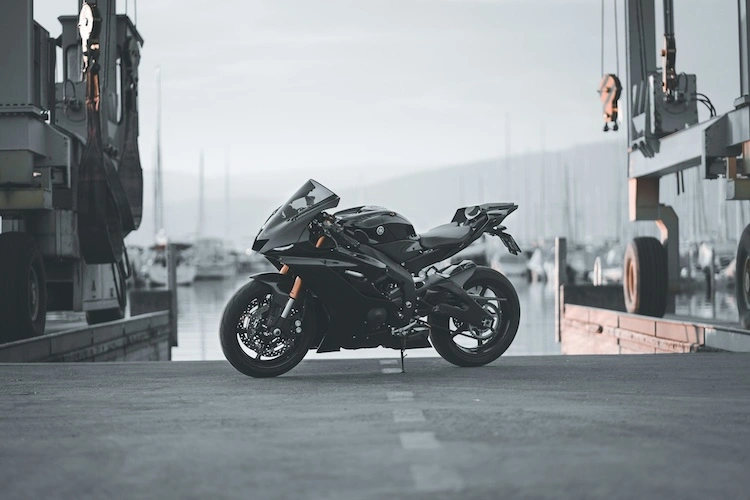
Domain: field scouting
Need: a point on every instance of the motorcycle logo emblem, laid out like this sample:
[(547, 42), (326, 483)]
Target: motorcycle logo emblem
[(380, 230)]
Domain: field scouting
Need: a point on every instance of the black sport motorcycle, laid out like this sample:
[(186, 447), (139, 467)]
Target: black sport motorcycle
[(363, 278)]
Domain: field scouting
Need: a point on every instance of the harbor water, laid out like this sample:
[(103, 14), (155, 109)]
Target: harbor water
[(200, 307)]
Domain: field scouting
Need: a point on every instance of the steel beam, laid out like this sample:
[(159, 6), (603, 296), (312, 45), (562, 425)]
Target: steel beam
[(738, 189), (17, 54), (743, 7), (675, 152), (640, 33), (18, 199), (561, 265), (698, 145)]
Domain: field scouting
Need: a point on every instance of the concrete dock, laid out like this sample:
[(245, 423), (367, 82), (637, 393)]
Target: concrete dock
[(664, 426)]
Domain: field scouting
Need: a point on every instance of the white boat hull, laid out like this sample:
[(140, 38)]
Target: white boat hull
[(213, 259), (215, 271), (157, 274)]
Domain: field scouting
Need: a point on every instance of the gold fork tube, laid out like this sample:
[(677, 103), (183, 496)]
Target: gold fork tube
[(298, 281)]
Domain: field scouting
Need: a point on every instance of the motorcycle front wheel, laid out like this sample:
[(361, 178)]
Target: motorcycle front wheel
[(251, 345), (472, 345)]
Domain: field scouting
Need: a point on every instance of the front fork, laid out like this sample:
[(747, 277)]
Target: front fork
[(295, 289)]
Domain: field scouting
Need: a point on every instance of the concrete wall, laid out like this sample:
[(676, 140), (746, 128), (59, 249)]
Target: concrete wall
[(590, 330), (593, 321), (139, 338)]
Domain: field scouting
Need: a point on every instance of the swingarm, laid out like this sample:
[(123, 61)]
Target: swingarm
[(442, 292)]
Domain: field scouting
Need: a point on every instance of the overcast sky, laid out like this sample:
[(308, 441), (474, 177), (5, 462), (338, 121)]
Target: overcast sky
[(391, 84)]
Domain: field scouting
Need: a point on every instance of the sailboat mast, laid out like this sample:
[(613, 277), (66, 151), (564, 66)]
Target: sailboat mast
[(360, 188), (228, 215), (158, 204), (543, 178), (199, 230)]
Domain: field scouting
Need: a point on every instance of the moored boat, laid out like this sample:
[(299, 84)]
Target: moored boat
[(213, 260), (155, 269)]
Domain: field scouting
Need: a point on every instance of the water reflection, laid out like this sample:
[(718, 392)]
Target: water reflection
[(700, 305), (201, 305)]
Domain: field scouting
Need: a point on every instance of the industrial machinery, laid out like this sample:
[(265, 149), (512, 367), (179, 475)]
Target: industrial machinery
[(71, 183), (665, 137)]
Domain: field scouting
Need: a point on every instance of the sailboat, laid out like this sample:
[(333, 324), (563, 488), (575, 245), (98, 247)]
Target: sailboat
[(157, 265), (213, 259), (155, 270)]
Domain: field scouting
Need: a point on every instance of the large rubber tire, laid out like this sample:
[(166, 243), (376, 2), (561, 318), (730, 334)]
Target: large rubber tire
[(23, 288), (645, 277), (113, 314), (231, 330), (504, 331), (742, 278)]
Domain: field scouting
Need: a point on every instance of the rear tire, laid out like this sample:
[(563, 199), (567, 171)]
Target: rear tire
[(444, 330), (244, 335), (23, 288), (645, 277), (742, 278)]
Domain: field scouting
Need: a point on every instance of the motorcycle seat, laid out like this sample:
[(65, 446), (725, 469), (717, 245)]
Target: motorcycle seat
[(444, 235)]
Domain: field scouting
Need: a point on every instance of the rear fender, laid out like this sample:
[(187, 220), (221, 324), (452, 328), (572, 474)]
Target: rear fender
[(460, 273), (506, 238), (456, 275)]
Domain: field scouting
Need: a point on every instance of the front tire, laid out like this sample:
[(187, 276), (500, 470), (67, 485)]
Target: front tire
[(252, 347), (464, 345)]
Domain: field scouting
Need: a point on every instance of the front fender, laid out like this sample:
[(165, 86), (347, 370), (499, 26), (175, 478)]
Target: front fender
[(281, 284)]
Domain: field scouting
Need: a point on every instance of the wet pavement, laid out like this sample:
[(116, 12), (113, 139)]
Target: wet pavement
[(673, 426)]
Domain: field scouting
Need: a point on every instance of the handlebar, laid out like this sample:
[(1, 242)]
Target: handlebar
[(331, 228)]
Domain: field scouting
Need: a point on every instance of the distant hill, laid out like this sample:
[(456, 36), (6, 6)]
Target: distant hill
[(579, 192)]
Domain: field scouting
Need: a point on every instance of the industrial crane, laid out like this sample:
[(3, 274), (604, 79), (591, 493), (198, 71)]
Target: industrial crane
[(665, 137), (71, 183)]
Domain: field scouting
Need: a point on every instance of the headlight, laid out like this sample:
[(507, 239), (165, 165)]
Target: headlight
[(283, 249)]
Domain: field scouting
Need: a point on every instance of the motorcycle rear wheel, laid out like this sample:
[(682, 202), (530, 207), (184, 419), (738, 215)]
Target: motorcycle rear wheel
[(499, 297), (252, 347)]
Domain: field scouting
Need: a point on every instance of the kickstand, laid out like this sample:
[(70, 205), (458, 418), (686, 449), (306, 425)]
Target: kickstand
[(403, 347)]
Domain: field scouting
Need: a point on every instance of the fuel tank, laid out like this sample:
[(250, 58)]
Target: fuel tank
[(383, 229)]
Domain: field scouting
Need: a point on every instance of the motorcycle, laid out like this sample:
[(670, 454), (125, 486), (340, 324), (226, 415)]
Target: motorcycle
[(362, 278)]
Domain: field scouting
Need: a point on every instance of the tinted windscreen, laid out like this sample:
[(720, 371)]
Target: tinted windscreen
[(306, 198)]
